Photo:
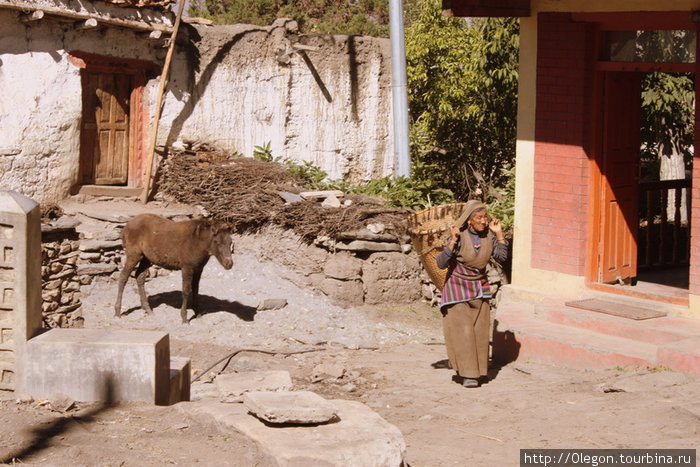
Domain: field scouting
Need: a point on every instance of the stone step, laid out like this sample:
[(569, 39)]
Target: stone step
[(657, 331), (583, 339), (521, 336)]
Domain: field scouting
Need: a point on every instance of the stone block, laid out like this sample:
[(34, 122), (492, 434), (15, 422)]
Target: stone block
[(180, 380), (298, 407), (99, 365)]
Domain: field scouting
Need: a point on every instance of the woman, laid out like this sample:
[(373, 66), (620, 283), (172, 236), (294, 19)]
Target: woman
[(465, 296)]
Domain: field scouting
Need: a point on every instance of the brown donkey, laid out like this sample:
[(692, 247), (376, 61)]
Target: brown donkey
[(150, 239)]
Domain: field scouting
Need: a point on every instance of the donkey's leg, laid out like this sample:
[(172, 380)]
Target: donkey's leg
[(141, 272), (196, 277), (187, 275), (129, 265)]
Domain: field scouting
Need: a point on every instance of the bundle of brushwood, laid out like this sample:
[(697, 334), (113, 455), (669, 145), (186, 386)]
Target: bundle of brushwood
[(247, 193)]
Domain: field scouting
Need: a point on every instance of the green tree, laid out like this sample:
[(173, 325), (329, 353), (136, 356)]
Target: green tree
[(359, 17), (462, 81)]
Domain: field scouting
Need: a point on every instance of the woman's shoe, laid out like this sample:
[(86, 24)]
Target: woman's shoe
[(470, 382)]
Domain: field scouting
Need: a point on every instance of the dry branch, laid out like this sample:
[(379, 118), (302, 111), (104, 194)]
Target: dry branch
[(245, 193)]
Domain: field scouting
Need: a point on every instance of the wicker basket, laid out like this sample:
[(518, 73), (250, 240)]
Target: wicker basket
[(429, 231)]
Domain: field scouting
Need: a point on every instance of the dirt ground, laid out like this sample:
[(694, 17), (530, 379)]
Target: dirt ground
[(390, 357)]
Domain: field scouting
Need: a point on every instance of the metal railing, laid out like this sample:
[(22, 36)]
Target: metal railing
[(664, 229)]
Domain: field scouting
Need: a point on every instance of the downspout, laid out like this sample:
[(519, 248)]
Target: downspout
[(399, 89)]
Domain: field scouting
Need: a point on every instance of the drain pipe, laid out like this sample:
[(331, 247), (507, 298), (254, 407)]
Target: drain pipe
[(399, 91)]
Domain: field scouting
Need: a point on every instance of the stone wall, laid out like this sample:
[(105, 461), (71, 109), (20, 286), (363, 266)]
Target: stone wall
[(69, 261)]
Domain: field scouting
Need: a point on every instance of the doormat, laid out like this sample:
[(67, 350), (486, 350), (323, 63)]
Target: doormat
[(616, 309)]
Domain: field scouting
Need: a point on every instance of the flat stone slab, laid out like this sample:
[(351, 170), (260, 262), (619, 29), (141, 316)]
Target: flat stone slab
[(233, 385), (360, 438), (363, 245), (299, 407)]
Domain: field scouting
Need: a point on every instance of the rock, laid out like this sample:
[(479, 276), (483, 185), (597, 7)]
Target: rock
[(24, 399), (232, 386), (290, 198), (331, 202), (327, 370), (365, 234), (321, 194), (376, 227), (61, 403), (298, 407), (271, 304), (360, 437), (362, 245), (98, 245), (62, 224), (96, 269)]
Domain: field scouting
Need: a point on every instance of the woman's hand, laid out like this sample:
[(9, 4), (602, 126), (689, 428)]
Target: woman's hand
[(454, 237), (497, 229)]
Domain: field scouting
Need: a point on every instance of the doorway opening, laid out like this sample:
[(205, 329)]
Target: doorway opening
[(114, 124), (646, 146)]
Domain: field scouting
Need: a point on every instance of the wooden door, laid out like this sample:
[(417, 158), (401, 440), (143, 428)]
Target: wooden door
[(104, 145), (620, 171)]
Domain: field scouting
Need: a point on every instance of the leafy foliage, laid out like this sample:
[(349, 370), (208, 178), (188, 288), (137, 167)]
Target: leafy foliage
[(503, 205), (263, 153), (462, 80), (359, 17), (668, 119)]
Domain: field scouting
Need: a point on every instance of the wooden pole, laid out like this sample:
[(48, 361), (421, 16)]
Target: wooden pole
[(159, 103)]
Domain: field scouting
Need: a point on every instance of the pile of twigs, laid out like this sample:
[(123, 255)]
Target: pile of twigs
[(245, 193)]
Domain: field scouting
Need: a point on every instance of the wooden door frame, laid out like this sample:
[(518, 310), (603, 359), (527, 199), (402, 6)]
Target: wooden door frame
[(141, 71), (624, 21)]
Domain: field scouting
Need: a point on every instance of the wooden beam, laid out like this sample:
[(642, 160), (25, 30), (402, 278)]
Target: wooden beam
[(486, 8), (104, 19), (159, 103)]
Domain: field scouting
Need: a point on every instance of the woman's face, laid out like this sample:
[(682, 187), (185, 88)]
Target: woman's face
[(479, 221)]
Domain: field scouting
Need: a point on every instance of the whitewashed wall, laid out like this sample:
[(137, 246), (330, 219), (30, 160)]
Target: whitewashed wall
[(41, 102), (242, 91), (255, 93)]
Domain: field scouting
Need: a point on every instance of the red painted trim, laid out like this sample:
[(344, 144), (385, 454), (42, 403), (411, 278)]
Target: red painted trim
[(486, 8), (642, 20)]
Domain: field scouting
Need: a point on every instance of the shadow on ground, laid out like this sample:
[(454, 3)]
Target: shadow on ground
[(207, 304)]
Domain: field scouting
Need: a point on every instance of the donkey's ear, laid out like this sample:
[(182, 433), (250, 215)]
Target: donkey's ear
[(202, 228)]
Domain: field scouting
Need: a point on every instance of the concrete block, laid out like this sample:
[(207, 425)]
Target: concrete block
[(100, 365), (20, 284), (180, 379)]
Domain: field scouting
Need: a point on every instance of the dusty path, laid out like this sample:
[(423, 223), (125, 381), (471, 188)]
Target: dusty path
[(391, 358)]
